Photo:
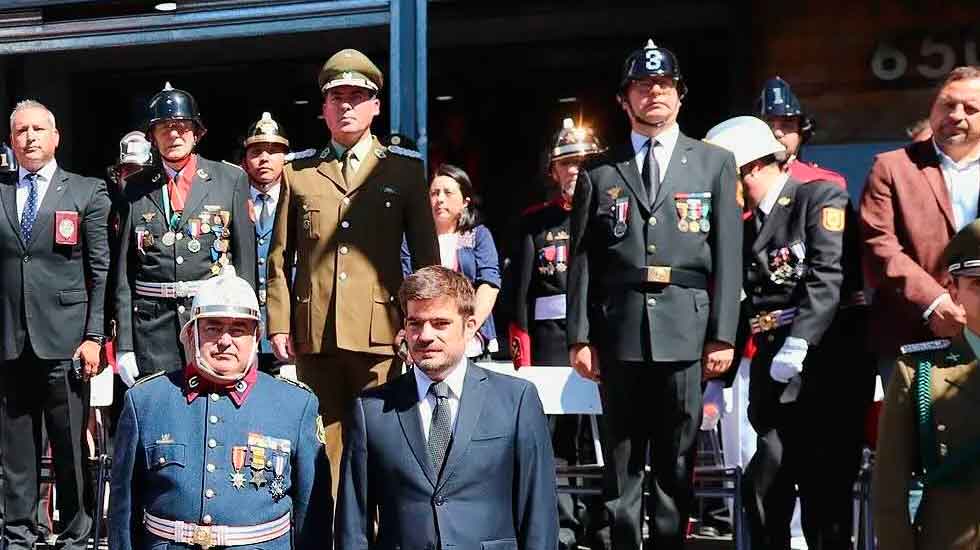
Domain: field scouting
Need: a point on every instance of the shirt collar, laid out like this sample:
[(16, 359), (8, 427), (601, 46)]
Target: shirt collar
[(361, 148), (454, 380), (46, 172), (171, 172), (769, 201), (273, 192), (948, 162), (667, 138), (195, 385), (973, 339)]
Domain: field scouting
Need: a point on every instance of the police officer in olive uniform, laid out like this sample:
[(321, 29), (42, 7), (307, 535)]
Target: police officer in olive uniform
[(929, 426), (803, 308), (181, 221), (219, 454), (540, 268), (342, 214), (653, 293), (780, 107)]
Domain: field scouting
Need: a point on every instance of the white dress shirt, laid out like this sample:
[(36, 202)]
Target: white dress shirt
[(963, 183), (427, 401), (273, 199), (667, 140), (44, 176)]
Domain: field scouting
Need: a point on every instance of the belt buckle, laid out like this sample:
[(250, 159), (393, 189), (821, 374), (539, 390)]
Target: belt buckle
[(658, 274), (180, 289), (768, 321), (202, 537)]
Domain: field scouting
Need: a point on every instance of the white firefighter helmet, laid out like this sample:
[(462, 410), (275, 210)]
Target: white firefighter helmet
[(747, 137), (226, 296)]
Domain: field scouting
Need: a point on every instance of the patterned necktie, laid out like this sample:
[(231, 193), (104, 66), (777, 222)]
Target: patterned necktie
[(440, 430), (30, 209), (651, 171), (265, 214)]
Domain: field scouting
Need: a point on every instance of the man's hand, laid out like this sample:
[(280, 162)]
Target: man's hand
[(948, 319), (584, 359), (282, 347), (90, 356), (717, 358)]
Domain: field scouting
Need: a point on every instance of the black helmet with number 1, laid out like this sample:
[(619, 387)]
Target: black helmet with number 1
[(652, 60)]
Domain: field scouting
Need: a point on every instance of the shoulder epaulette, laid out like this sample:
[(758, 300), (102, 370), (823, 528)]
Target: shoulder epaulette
[(150, 377), (232, 164), (296, 383), (931, 345), (298, 155), (404, 152)]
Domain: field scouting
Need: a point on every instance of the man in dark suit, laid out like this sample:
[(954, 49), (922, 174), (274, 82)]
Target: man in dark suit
[(180, 221), (450, 455), (653, 294), (916, 198), (54, 251), (803, 285)]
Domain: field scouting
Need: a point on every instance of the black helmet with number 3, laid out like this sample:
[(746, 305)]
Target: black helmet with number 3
[(652, 60), (173, 104)]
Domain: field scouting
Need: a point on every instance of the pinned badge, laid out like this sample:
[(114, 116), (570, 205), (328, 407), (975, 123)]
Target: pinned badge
[(549, 237), (562, 235), (165, 438), (784, 201), (832, 219), (168, 238), (614, 192), (148, 216), (380, 153), (67, 223), (202, 174)]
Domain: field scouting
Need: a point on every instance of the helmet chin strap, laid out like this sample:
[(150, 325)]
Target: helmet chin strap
[(640, 120), (207, 372)]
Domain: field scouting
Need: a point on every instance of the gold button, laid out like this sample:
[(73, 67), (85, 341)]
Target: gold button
[(343, 276), (344, 250), (212, 443), (209, 493), (652, 221), (207, 519), (651, 248), (210, 467)]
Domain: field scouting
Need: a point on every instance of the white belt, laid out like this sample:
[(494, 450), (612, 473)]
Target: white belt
[(207, 536), (179, 289), (549, 307)]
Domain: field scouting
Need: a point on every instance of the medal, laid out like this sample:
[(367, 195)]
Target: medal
[(277, 488), (220, 245), (258, 478), (168, 239), (705, 226), (237, 478), (205, 227), (178, 236), (622, 211), (194, 246), (225, 217), (215, 269), (682, 226), (619, 229), (694, 226)]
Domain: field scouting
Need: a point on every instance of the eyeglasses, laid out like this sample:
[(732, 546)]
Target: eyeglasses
[(646, 85)]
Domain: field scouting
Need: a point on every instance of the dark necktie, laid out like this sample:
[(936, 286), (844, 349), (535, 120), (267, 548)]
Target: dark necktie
[(440, 430), (760, 219), (30, 209), (265, 213), (651, 171)]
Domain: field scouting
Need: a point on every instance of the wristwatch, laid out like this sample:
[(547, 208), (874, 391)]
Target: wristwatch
[(97, 338)]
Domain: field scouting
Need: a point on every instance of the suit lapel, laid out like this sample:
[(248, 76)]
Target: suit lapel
[(8, 196), (369, 166), (52, 198), (676, 170), (408, 417), (199, 191), (929, 166), (470, 408), (777, 217), (626, 164)]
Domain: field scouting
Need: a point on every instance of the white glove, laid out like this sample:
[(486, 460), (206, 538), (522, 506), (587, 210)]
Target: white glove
[(128, 371), (714, 405), (789, 361)]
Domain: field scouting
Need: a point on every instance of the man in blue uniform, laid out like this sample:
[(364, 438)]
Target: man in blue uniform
[(220, 454)]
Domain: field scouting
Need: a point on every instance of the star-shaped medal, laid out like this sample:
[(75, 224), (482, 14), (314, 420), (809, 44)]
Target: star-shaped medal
[(258, 478), (277, 488), (237, 480)]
